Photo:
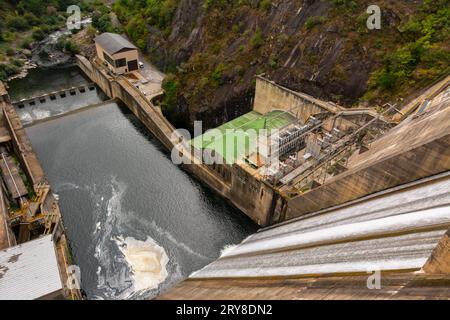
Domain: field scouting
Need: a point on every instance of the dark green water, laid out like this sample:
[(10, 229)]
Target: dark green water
[(42, 81), (115, 181)]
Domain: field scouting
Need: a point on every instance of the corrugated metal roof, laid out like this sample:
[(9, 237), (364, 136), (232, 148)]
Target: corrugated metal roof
[(29, 271), (113, 43)]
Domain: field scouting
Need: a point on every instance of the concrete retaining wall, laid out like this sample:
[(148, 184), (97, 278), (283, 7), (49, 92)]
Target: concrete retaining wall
[(252, 196), (271, 96), (121, 89), (22, 145)]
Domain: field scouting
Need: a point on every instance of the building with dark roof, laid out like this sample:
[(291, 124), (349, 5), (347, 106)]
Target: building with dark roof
[(117, 53)]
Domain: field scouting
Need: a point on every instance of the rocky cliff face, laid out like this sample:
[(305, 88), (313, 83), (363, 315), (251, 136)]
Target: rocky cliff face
[(323, 48)]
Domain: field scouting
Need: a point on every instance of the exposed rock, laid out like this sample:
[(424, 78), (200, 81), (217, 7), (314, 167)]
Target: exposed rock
[(27, 53), (311, 46), (85, 42)]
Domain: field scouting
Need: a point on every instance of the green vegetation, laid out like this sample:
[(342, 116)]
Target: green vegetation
[(29, 186), (226, 4), (170, 86), (346, 5), (23, 22), (7, 70), (422, 57), (39, 33), (23, 15), (137, 16), (265, 4), (68, 45), (213, 60), (102, 22), (217, 74), (273, 62), (311, 22), (257, 40), (10, 52), (101, 18), (26, 43)]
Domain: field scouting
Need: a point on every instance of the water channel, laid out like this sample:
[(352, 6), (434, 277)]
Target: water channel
[(137, 224)]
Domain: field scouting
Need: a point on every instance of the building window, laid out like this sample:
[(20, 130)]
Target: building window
[(133, 65), (121, 63), (108, 58)]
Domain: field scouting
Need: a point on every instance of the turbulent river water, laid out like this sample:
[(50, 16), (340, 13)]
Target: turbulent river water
[(137, 224)]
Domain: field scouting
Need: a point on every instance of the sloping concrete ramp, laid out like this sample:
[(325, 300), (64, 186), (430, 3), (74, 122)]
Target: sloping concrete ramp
[(396, 232)]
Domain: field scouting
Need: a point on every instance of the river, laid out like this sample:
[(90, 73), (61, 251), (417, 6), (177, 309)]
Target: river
[(137, 224)]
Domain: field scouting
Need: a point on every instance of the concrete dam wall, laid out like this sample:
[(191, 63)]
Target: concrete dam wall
[(401, 233)]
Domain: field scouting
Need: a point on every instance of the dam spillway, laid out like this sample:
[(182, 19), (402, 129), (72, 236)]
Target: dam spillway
[(117, 186)]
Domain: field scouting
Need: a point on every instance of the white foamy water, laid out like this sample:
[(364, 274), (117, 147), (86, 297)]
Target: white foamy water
[(227, 249), (128, 268), (112, 274), (177, 243), (147, 260), (67, 186), (40, 114), (25, 117)]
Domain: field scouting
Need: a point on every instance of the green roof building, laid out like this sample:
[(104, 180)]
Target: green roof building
[(240, 134)]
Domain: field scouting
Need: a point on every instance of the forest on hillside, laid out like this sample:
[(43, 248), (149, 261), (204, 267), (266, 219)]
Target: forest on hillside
[(23, 23), (213, 48)]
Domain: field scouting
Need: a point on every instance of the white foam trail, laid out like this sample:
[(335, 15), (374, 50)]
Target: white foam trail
[(113, 275), (66, 186), (25, 117), (41, 114), (227, 249), (148, 262), (128, 268), (181, 245)]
